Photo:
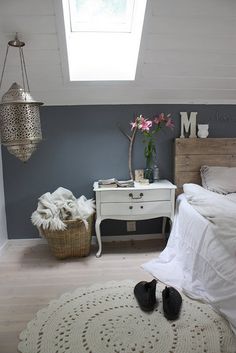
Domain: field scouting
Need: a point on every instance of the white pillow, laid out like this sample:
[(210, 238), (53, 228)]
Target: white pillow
[(204, 201), (219, 179)]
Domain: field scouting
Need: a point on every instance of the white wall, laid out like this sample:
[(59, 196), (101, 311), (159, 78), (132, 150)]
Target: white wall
[(187, 55), (3, 225)]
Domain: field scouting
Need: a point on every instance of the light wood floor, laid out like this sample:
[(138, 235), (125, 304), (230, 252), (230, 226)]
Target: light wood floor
[(30, 277)]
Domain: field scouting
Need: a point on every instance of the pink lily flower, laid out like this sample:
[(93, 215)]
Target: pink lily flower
[(133, 125), (145, 125), (159, 119), (142, 123), (170, 123)]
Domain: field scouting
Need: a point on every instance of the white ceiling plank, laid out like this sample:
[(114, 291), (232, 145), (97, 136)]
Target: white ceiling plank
[(136, 96), (190, 42), (205, 8), (26, 7), (46, 71), (172, 57), (33, 41), (27, 24), (188, 83), (187, 55), (188, 96), (191, 69), (32, 58), (40, 41), (47, 75), (194, 25)]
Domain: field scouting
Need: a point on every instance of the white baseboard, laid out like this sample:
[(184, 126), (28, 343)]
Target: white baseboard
[(109, 238), (24, 242), (3, 246)]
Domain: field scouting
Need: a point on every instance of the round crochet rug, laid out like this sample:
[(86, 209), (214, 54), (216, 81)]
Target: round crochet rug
[(106, 319)]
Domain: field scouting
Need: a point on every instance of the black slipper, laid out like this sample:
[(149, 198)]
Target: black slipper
[(145, 293), (172, 302)]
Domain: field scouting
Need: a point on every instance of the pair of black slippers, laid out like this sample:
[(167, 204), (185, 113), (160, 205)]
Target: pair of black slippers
[(145, 293)]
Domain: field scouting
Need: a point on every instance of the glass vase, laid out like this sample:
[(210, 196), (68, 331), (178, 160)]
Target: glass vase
[(156, 176), (148, 172)]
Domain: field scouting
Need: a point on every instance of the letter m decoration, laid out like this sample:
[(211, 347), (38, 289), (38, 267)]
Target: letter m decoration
[(188, 125)]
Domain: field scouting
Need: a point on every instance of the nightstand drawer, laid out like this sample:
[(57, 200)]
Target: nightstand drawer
[(138, 208), (135, 195)]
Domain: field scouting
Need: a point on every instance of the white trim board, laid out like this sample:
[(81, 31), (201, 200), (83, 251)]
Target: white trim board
[(3, 246), (109, 238), (117, 238)]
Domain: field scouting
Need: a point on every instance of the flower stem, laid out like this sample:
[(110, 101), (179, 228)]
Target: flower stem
[(130, 152)]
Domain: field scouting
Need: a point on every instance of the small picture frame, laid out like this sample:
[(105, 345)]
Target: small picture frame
[(138, 174)]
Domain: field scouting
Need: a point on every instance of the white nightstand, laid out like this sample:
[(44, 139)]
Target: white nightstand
[(137, 203)]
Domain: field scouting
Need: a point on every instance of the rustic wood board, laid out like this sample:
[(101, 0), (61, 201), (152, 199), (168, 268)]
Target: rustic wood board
[(206, 146), (192, 153)]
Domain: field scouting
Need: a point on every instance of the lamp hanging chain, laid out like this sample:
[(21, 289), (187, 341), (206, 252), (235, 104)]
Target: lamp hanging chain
[(4, 66), (22, 71), (17, 44), (23, 68)]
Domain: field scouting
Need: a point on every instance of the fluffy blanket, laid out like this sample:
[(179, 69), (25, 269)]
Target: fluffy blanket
[(53, 209)]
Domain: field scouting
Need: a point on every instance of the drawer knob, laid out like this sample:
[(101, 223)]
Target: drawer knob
[(130, 207), (141, 206), (136, 197)]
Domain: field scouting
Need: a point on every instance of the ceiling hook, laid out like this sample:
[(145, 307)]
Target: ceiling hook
[(16, 42)]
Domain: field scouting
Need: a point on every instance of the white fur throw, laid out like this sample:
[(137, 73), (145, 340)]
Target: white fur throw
[(59, 206)]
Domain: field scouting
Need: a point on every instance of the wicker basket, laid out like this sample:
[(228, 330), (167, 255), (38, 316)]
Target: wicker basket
[(74, 241)]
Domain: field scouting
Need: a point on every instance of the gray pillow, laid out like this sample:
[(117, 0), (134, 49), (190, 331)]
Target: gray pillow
[(219, 179)]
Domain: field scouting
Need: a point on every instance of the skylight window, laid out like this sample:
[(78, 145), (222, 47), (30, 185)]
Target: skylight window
[(103, 38), (101, 15)]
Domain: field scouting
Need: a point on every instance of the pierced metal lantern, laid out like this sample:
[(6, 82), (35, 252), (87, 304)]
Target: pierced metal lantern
[(19, 114), (20, 122)]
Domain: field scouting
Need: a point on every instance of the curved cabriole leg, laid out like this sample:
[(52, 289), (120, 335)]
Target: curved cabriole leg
[(98, 234), (164, 225)]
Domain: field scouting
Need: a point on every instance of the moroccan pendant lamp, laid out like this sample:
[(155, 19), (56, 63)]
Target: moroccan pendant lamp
[(19, 113)]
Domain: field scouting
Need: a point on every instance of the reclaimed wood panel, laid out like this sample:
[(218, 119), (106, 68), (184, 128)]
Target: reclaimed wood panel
[(208, 146), (190, 164), (182, 177), (191, 154)]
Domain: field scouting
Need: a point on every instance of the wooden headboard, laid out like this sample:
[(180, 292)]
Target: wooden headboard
[(192, 153)]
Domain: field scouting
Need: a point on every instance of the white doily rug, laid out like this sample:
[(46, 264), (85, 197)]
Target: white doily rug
[(106, 319)]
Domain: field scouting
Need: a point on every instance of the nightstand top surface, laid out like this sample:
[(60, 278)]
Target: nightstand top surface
[(160, 184)]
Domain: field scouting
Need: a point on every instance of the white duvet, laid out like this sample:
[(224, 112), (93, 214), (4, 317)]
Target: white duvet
[(200, 256), (220, 210)]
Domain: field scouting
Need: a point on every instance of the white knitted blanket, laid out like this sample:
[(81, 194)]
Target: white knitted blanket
[(105, 318), (59, 206)]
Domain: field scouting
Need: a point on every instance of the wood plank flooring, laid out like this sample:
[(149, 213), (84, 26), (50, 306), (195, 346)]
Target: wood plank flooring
[(30, 277)]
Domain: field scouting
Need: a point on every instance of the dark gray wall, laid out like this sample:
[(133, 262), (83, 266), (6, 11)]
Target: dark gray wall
[(82, 144)]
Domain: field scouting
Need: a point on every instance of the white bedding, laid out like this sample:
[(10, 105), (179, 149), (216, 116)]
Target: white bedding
[(221, 212), (200, 257), (231, 197)]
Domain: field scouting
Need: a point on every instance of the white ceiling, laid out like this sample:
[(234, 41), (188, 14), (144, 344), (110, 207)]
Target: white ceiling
[(187, 55)]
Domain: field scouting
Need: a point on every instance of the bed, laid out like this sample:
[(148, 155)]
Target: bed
[(200, 256)]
